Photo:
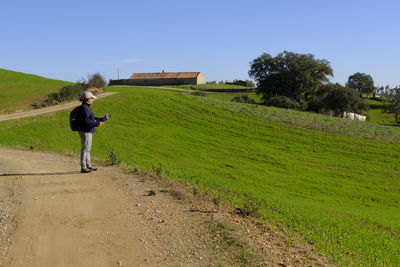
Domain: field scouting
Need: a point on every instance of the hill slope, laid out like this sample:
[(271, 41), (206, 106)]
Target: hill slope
[(18, 90), (340, 192)]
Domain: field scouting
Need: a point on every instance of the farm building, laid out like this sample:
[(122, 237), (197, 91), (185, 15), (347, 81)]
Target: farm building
[(162, 78)]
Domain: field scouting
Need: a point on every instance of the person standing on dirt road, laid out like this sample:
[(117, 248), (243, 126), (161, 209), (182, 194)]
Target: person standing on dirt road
[(88, 126)]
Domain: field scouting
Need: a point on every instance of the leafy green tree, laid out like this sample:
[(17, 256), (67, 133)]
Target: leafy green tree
[(362, 82), (340, 99), (317, 102), (289, 74)]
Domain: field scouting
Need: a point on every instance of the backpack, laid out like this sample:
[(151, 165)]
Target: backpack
[(75, 121)]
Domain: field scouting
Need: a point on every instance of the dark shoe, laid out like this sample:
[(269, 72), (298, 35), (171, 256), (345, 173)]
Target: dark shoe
[(86, 170), (93, 169)]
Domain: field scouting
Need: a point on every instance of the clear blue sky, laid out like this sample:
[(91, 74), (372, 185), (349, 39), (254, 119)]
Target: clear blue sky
[(69, 39)]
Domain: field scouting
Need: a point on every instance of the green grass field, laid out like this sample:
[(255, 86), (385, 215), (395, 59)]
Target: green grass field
[(299, 171), (209, 86), (379, 112), (377, 130), (19, 90), (228, 96)]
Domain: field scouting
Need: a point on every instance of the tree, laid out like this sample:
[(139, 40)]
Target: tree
[(395, 105), (317, 102), (340, 99), (362, 82), (96, 80), (289, 74)]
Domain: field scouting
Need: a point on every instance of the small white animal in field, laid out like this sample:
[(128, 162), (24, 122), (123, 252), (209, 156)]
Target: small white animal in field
[(359, 117), (350, 115), (354, 116)]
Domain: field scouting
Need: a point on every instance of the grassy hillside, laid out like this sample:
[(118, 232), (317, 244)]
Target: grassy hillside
[(18, 90), (228, 96), (210, 86), (341, 192), (379, 112)]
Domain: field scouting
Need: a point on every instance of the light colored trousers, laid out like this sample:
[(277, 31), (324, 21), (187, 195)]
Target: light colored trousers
[(86, 142)]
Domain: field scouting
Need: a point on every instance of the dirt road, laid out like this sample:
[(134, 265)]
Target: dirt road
[(45, 110), (52, 215), (63, 218)]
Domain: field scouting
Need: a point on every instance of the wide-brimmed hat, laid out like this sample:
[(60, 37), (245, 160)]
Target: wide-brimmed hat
[(88, 94)]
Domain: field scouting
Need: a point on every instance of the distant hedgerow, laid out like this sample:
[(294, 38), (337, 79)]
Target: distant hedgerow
[(95, 83), (66, 93)]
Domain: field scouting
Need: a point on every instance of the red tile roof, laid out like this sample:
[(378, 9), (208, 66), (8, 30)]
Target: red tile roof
[(165, 75)]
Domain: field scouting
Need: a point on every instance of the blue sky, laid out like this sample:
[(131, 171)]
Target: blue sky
[(69, 39)]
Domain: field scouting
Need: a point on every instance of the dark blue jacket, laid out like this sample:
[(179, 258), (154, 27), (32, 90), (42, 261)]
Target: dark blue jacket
[(88, 121)]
